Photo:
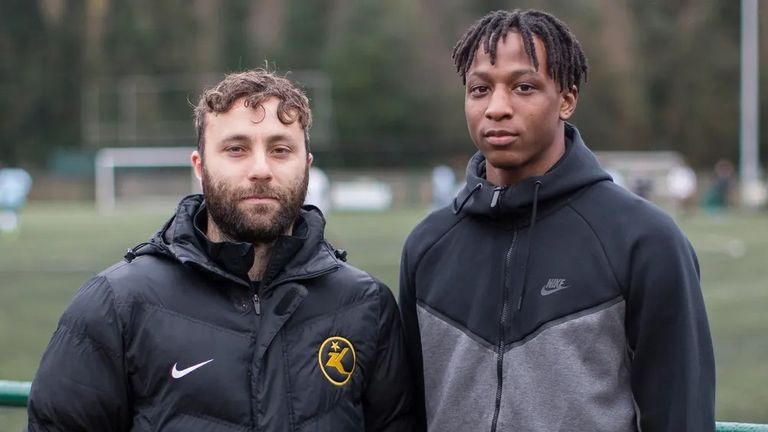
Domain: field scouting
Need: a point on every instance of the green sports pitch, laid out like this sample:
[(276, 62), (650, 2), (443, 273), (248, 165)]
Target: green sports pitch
[(61, 245)]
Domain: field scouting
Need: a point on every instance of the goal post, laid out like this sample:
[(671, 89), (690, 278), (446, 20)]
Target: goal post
[(635, 170), (148, 188)]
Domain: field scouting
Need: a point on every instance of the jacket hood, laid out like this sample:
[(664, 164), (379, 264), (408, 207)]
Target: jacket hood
[(300, 255), (577, 168)]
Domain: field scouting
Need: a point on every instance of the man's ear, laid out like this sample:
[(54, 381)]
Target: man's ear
[(568, 103), (197, 164), (310, 158)]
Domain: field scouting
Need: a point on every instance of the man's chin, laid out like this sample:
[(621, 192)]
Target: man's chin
[(261, 220), (257, 231), (505, 163)]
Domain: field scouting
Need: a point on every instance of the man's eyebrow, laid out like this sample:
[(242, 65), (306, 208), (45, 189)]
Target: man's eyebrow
[(517, 73), (234, 138), (239, 138), (280, 137)]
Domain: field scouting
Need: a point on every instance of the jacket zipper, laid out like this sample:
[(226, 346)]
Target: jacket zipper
[(502, 327), (256, 304), (254, 377), (257, 298), (257, 311)]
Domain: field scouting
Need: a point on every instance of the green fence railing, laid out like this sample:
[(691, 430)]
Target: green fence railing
[(741, 427), (15, 394)]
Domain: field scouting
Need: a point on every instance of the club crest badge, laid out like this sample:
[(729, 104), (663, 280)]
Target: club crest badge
[(337, 360)]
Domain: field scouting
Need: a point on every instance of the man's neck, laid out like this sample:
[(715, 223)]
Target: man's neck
[(261, 251), (508, 177)]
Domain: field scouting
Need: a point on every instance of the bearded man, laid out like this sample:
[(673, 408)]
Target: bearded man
[(237, 315)]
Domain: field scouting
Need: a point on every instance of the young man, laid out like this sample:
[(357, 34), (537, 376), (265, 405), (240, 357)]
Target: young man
[(547, 298), (237, 315)]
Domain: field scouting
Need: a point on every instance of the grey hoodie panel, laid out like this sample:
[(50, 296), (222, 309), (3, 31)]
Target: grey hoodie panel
[(571, 376), (459, 377)]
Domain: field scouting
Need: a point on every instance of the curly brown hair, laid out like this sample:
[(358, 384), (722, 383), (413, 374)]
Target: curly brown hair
[(256, 86)]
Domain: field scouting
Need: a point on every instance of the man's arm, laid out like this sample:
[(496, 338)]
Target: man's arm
[(388, 398), (412, 342), (673, 370), (81, 383)]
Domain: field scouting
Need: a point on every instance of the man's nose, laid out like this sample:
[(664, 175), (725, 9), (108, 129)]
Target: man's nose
[(260, 168), (499, 105)]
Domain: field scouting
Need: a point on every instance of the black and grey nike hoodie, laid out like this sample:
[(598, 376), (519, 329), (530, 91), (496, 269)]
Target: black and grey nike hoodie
[(561, 303), (176, 338)]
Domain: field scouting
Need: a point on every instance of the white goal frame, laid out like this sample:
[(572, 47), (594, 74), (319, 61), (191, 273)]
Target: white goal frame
[(108, 159)]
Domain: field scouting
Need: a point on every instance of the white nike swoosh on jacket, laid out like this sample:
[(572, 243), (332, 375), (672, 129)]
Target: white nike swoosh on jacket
[(180, 373)]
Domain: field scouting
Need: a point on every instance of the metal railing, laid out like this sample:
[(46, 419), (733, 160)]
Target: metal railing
[(15, 394), (741, 427)]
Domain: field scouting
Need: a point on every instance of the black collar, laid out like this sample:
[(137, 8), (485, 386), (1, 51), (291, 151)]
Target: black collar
[(237, 257)]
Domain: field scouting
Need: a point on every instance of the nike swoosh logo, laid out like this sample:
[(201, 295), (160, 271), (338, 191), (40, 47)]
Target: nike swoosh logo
[(547, 291), (180, 373)]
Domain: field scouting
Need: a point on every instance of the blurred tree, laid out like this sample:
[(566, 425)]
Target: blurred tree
[(379, 117), (663, 75), (692, 76), (39, 79)]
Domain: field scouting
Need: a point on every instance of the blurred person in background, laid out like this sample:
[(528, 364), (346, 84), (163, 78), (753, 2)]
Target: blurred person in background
[(15, 184), (682, 186), (443, 186), (720, 195), (319, 190), (546, 297), (643, 187), (237, 315)]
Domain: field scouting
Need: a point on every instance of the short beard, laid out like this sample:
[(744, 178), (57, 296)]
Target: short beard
[(236, 224)]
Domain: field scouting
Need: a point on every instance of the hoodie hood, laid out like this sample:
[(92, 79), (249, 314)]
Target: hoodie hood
[(576, 169), (302, 254)]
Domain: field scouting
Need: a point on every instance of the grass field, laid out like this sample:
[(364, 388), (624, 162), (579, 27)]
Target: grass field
[(61, 245)]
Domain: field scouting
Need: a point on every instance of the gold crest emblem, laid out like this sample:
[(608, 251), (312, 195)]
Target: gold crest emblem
[(337, 360)]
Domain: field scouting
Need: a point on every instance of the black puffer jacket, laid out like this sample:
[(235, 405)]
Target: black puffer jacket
[(176, 338)]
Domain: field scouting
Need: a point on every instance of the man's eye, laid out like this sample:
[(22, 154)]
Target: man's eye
[(281, 150), (234, 150), (478, 90), (525, 88)]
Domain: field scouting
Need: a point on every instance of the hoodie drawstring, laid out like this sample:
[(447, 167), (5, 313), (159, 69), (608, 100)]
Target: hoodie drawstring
[(130, 254), (457, 209), (530, 240)]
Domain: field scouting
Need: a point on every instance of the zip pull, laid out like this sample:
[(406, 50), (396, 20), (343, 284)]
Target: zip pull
[(495, 198), (257, 304)]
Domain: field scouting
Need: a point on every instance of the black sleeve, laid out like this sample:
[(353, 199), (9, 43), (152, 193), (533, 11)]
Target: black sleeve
[(388, 397), (412, 341), (81, 384), (673, 370)]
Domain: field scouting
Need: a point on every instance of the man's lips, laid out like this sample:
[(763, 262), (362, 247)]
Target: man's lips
[(258, 198), (499, 136)]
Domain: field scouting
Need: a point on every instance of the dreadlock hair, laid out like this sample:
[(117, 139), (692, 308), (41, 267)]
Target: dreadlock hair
[(566, 62)]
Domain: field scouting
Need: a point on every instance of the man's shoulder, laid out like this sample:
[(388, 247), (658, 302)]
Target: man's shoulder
[(609, 202), (128, 277), (618, 215), (136, 266), (350, 288), (351, 279), (430, 230)]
